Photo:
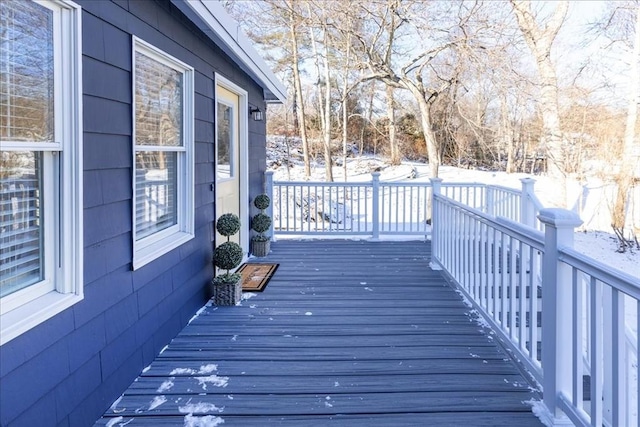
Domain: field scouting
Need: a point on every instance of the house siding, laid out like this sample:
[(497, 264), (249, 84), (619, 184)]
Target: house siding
[(68, 370)]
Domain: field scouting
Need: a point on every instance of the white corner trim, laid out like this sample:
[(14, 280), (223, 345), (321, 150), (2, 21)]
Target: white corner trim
[(225, 28)]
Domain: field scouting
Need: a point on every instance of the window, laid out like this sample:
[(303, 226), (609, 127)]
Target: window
[(163, 209), (40, 162), (225, 141)]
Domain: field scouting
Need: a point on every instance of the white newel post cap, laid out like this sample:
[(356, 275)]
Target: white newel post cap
[(559, 218), (436, 183)]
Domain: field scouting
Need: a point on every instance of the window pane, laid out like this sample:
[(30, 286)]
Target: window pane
[(156, 184), (225, 146), (158, 103), (21, 254), (26, 71)]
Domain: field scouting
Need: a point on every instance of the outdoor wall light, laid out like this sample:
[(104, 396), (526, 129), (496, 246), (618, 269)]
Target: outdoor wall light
[(256, 113)]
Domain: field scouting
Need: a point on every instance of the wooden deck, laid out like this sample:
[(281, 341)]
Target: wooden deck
[(346, 333)]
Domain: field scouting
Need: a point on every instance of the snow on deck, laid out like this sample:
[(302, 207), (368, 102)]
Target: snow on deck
[(346, 333)]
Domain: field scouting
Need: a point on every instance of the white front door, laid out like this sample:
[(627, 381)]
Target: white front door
[(231, 157)]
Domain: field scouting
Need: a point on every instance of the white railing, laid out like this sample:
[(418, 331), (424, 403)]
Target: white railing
[(510, 258), (578, 347), (374, 208)]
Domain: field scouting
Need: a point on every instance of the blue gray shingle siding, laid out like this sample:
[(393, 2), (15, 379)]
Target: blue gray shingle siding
[(68, 370)]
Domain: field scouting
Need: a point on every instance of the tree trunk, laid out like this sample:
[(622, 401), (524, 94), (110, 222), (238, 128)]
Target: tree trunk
[(551, 119), (391, 115), (540, 39), (299, 102), (324, 95), (345, 113), (368, 117), (508, 135), (429, 137), (328, 161), (628, 162)]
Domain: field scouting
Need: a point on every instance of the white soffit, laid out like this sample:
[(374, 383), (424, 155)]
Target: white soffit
[(219, 26)]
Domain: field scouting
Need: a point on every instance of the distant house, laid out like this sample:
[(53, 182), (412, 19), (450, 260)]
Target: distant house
[(126, 127)]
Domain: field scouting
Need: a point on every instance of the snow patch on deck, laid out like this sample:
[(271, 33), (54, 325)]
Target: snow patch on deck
[(199, 408), (214, 380), (206, 421), (166, 385), (157, 401), (118, 421)]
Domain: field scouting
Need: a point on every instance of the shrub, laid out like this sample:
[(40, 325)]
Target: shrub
[(261, 202), (228, 224), (227, 255), (261, 222)]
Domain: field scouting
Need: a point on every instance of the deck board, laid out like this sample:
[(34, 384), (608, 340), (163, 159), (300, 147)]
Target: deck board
[(346, 333)]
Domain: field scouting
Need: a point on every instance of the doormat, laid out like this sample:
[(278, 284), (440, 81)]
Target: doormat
[(256, 276)]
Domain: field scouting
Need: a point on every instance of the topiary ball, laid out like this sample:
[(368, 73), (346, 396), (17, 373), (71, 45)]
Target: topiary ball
[(228, 224), (228, 255), (261, 201), (261, 223)]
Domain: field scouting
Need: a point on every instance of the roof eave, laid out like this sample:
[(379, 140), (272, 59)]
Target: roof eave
[(215, 22)]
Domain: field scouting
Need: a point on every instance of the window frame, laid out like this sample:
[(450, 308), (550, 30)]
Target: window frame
[(151, 247), (62, 187)]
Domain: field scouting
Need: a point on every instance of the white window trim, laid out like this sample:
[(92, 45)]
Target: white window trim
[(32, 309), (151, 247)]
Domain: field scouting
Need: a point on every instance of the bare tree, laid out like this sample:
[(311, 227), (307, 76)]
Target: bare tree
[(540, 40), (382, 47), (391, 115), (294, 23), (628, 162), (320, 22)]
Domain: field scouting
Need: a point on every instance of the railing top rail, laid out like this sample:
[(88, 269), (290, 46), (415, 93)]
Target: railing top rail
[(536, 202), (462, 184), (321, 184), (527, 235), (405, 184), (515, 192), (613, 277)]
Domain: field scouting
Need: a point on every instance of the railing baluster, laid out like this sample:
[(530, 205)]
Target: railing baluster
[(465, 251), (474, 258), (484, 273), (504, 282), (618, 366), (513, 276), (596, 352), (533, 310), (523, 281), (577, 340)]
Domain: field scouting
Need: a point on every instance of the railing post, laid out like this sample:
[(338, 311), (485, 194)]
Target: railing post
[(436, 184), (375, 184), (268, 190), (489, 205), (557, 311), (527, 209)]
